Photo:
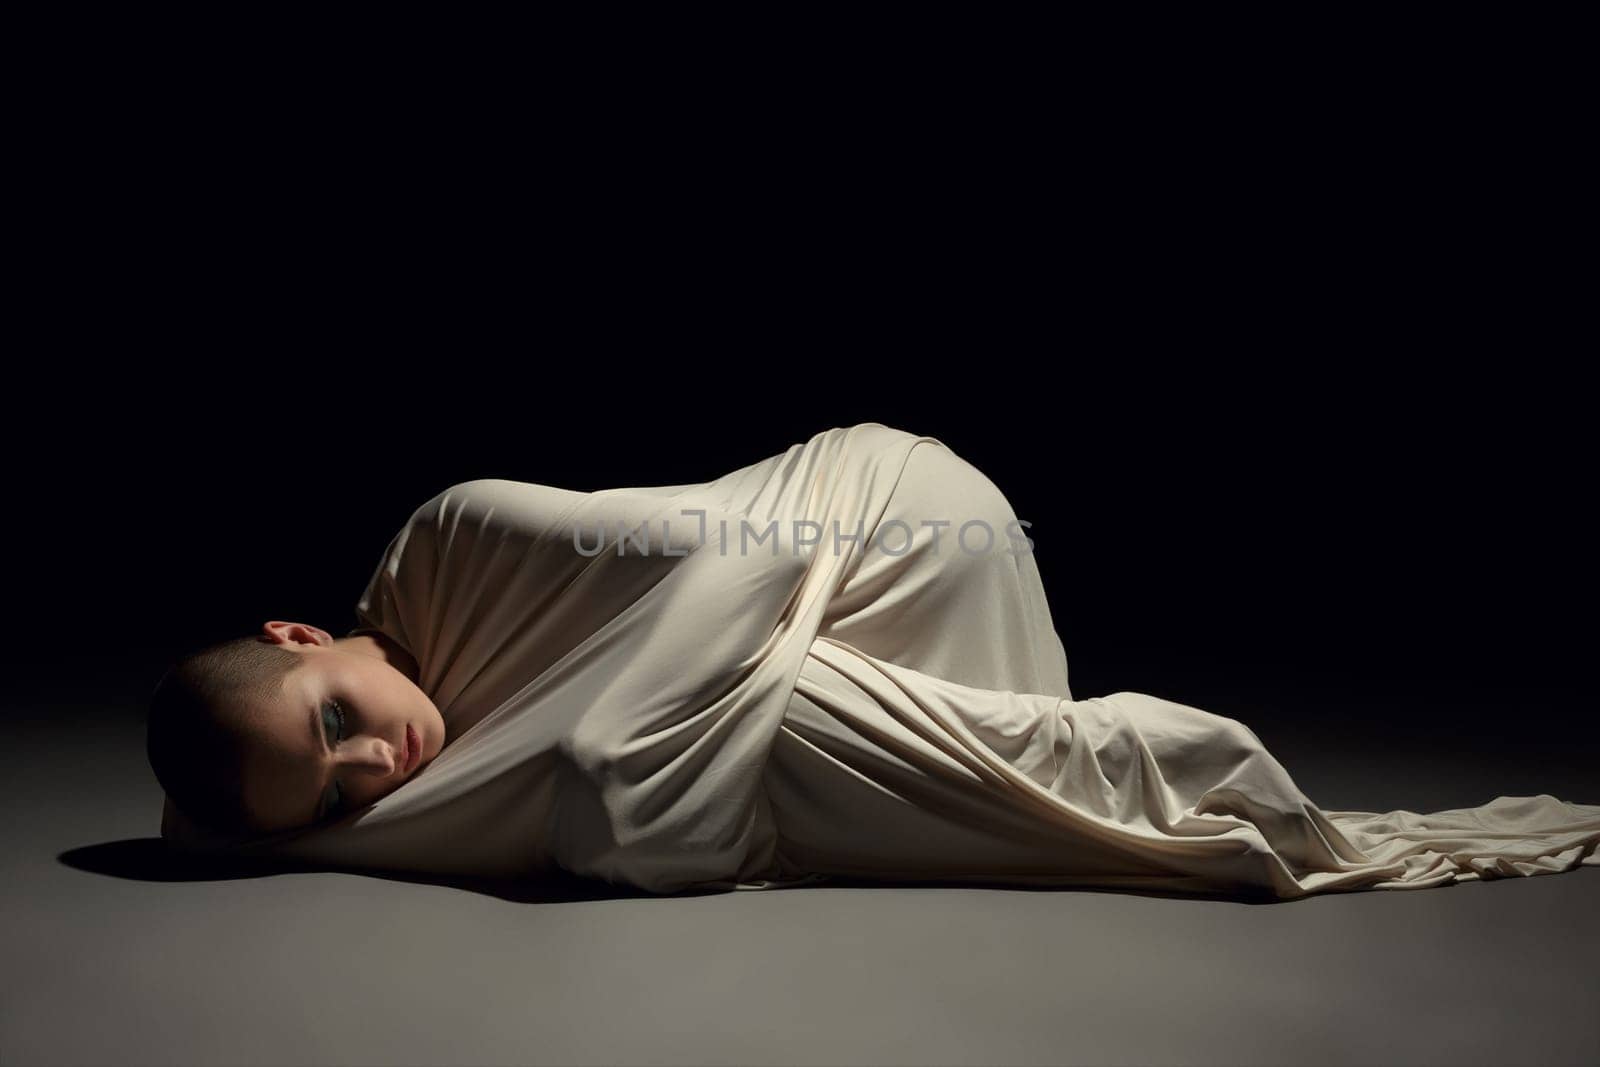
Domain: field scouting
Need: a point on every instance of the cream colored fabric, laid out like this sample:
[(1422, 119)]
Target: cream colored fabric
[(686, 708)]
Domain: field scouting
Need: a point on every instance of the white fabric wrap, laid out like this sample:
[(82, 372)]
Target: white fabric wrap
[(700, 686)]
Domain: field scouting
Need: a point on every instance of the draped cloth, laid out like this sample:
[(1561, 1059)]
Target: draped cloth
[(837, 661)]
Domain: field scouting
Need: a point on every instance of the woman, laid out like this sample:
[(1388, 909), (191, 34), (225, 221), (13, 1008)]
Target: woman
[(836, 661)]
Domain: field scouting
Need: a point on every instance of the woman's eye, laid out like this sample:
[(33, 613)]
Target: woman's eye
[(333, 720)]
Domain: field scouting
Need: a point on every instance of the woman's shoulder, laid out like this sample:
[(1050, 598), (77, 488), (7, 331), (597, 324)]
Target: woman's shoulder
[(477, 500)]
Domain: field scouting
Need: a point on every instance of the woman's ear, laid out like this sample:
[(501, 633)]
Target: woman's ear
[(295, 633)]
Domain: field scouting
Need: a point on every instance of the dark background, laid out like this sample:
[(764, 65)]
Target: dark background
[(1286, 367)]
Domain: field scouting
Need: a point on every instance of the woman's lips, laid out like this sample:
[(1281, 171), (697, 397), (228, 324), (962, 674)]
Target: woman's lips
[(413, 749)]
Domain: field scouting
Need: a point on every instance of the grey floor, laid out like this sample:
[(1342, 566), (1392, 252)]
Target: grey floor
[(112, 955)]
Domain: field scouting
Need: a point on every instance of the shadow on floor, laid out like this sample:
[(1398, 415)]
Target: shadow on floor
[(151, 859)]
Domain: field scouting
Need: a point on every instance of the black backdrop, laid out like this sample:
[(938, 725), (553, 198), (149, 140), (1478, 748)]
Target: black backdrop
[(1289, 390)]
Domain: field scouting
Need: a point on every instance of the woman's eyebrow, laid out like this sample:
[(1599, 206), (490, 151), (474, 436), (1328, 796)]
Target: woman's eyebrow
[(321, 735), (318, 731)]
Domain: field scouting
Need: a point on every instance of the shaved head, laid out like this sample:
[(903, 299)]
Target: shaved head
[(201, 715)]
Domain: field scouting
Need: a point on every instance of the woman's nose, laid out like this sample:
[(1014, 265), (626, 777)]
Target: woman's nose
[(372, 754)]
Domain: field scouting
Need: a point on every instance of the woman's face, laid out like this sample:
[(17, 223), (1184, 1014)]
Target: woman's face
[(338, 735)]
